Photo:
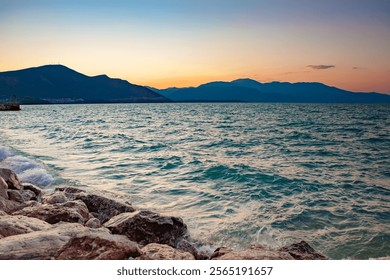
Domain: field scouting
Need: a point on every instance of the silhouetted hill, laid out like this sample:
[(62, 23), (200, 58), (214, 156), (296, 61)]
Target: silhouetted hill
[(60, 84), (247, 90)]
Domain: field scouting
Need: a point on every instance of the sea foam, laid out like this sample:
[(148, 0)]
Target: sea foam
[(28, 170)]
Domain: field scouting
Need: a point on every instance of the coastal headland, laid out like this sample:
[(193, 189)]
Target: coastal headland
[(72, 223)]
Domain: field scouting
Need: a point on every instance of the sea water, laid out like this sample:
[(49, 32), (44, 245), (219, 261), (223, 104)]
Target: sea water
[(238, 174)]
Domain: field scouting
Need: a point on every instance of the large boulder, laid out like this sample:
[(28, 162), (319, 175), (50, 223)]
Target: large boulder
[(302, 251), (99, 247), (67, 241), (99, 206), (10, 178), (14, 225), (72, 211), (155, 251), (3, 188), (252, 253), (147, 227)]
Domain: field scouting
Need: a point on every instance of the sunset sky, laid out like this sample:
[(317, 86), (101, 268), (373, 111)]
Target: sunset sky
[(344, 43)]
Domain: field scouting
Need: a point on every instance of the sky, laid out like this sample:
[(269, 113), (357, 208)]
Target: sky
[(343, 43)]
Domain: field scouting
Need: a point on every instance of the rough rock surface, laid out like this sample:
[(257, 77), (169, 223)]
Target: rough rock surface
[(101, 247), (74, 212), (302, 251), (155, 251), (252, 253), (93, 223), (14, 225), (100, 207), (36, 190), (15, 195), (186, 246), (64, 241), (28, 195), (3, 188), (10, 178), (147, 227), (9, 206), (54, 198)]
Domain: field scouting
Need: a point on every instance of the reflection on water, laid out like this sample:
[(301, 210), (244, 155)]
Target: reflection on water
[(236, 173)]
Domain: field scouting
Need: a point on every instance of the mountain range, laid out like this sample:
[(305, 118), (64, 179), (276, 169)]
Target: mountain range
[(247, 90), (60, 84)]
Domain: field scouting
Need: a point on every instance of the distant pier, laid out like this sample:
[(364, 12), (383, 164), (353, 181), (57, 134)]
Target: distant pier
[(9, 107)]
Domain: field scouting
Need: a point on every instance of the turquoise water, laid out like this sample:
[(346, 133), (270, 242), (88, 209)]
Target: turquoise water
[(238, 174)]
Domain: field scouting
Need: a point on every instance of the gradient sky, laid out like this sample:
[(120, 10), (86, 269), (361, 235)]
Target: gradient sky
[(344, 43)]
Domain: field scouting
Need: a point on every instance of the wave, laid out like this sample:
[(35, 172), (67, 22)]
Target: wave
[(28, 170)]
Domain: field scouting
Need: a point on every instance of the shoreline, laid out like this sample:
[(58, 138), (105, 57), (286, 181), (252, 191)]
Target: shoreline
[(72, 223)]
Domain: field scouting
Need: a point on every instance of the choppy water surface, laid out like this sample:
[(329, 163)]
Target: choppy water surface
[(237, 173)]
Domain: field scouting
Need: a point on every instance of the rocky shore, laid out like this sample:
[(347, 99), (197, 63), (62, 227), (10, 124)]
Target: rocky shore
[(71, 223)]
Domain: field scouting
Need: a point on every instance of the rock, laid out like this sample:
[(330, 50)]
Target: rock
[(74, 212), (186, 246), (30, 187), (28, 195), (9, 206), (147, 227), (70, 192), (93, 223), (302, 251), (3, 188), (252, 253), (67, 241), (15, 195), (104, 208), (54, 198), (14, 225), (155, 251), (100, 207), (107, 247), (2, 213), (10, 178)]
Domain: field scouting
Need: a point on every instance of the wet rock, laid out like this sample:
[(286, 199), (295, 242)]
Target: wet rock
[(15, 195), (104, 208), (28, 195), (67, 241), (93, 223), (74, 212), (54, 198), (36, 190), (10, 178), (252, 253), (70, 192), (147, 227), (155, 251), (100, 207), (187, 246), (14, 225), (302, 251), (3, 188)]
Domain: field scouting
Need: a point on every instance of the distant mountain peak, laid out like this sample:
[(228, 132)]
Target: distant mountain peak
[(56, 83)]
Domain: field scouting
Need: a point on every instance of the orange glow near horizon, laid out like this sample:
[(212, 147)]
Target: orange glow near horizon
[(187, 44)]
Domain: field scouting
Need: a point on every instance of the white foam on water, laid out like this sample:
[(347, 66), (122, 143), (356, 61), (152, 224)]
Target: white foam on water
[(268, 237), (28, 170)]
